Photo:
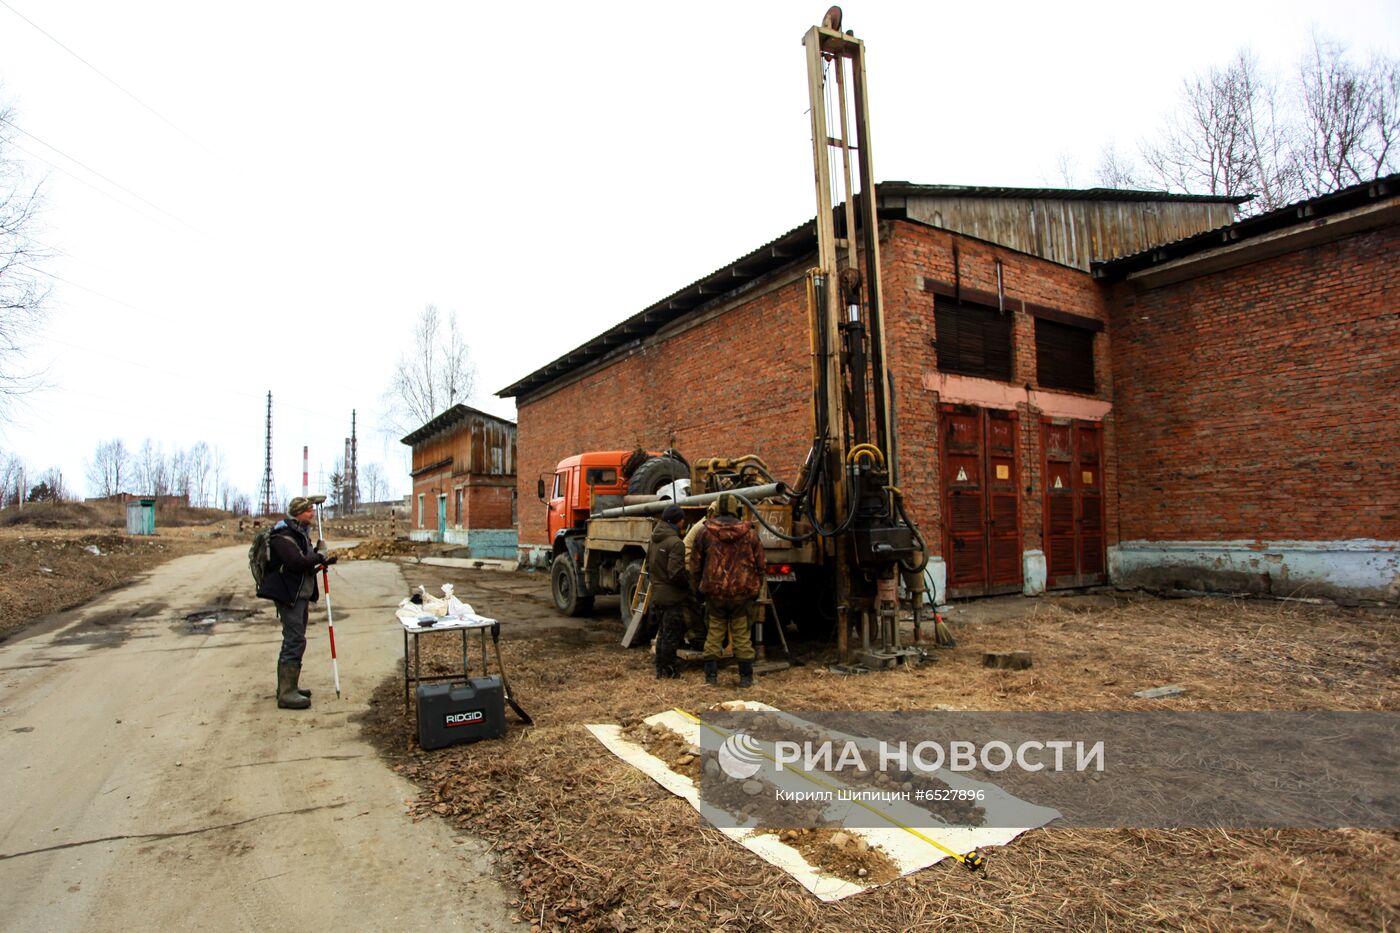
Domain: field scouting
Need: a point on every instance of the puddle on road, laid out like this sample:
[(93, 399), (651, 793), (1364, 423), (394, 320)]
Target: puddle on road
[(203, 620)]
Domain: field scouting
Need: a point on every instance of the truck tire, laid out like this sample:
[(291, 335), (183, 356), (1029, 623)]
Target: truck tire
[(564, 585), (655, 473), (626, 586)]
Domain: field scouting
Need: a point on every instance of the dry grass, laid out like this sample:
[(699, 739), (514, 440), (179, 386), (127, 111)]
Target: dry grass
[(592, 844)]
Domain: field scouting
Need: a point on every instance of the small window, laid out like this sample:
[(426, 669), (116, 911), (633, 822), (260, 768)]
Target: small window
[(1064, 356), (559, 479), (600, 476), (420, 510), (972, 339)]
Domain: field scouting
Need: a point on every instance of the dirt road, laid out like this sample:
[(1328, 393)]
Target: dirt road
[(150, 782)]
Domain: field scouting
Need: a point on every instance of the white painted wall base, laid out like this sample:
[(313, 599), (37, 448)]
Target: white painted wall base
[(936, 581), (1358, 569), (1033, 573)]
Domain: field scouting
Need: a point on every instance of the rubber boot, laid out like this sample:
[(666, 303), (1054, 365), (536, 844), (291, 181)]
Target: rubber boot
[(287, 696), (746, 673), (296, 682), (712, 673)]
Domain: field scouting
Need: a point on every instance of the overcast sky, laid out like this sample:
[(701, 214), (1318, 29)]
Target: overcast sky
[(277, 189)]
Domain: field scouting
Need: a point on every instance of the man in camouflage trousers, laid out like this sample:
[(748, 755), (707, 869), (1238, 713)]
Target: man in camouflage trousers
[(729, 562)]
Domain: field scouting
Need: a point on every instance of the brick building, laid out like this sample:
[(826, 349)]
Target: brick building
[(464, 482), (1258, 403), (1029, 442)]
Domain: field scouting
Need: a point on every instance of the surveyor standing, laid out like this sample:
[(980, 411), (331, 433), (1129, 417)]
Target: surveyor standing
[(670, 587), (290, 582), (728, 561)]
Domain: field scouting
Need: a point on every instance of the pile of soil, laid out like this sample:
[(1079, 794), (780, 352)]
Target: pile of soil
[(64, 515), (380, 548), (48, 571), (842, 854), (590, 843), (668, 745)]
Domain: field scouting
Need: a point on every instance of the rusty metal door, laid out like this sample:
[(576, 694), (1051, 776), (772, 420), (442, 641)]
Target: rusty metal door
[(1074, 513), (981, 501)]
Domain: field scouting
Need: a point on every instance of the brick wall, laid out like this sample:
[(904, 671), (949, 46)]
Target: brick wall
[(487, 506), (913, 254), (739, 383), (1263, 402)]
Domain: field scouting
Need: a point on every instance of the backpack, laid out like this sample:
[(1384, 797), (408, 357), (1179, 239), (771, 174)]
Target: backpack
[(260, 557)]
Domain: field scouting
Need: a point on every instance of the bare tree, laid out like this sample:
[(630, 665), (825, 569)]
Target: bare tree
[(11, 480), (23, 296), (198, 462), (372, 475), (151, 474), (435, 374), (1116, 170), (1349, 117), (110, 468), (1227, 139)]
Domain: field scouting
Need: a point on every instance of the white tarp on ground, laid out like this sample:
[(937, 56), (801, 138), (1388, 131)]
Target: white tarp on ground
[(906, 850)]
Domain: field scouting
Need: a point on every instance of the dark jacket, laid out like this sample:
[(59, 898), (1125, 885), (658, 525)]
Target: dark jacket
[(728, 560), (294, 560), (670, 583)]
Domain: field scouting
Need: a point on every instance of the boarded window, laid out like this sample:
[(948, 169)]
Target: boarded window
[(1064, 356), (971, 339)]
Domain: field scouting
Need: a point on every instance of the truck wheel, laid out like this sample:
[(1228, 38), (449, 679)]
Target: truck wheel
[(655, 473), (626, 589), (564, 584)]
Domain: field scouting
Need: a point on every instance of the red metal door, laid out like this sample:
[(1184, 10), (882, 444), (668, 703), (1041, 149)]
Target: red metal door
[(1074, 515), (981, 503)]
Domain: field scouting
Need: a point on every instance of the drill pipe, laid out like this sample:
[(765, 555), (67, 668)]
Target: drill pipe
[(751, 493)]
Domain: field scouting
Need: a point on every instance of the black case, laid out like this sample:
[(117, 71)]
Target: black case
[(449, 714)]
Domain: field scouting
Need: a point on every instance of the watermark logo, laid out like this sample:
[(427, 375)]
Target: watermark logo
[(740, 756)]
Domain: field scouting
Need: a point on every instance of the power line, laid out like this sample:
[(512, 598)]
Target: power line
[(109, 181), (109, 79), (106, 194), (108, 355)]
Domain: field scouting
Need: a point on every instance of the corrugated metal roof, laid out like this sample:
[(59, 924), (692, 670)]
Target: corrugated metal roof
[(1299, 212), (906, 188), (445, 420)]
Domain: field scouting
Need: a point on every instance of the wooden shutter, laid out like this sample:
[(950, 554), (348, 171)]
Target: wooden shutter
[(972, 339), (1064, 356)]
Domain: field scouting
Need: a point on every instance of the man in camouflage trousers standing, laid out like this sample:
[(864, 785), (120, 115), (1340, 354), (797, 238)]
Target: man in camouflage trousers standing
[(728, 561)]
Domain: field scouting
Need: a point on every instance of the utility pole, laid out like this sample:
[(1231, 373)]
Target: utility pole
[(268, 505), (352, 469)]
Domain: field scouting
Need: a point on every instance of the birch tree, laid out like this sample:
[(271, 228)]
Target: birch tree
[(434, 374)]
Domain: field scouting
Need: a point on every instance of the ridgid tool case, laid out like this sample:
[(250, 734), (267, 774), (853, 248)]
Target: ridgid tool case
[(450, 714)]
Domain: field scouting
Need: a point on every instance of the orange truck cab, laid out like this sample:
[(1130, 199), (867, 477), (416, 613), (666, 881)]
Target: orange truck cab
[(577, 480)]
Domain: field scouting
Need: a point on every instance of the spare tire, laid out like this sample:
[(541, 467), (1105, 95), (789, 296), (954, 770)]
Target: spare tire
[(655, 473)]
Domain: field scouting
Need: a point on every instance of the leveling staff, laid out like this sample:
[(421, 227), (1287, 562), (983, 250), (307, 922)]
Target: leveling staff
[(291, 583)]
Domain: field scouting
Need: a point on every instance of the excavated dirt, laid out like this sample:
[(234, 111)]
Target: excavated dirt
[(842, 854), (667, 745)]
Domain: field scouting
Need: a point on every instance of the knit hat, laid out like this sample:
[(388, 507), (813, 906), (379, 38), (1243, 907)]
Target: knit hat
[(298, 505), (728, 505), (672, 514)]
